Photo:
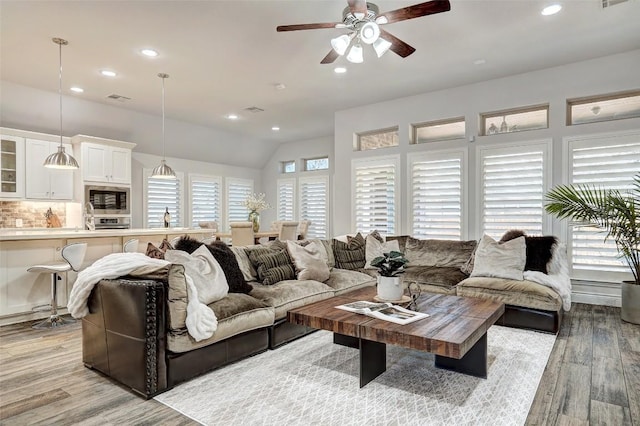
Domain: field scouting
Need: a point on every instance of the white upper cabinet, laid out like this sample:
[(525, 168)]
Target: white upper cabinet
[(43, 183), (11, 167), (104, 160)]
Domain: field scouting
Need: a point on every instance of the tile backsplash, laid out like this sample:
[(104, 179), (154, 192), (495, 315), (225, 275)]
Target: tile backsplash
[(31, 213)]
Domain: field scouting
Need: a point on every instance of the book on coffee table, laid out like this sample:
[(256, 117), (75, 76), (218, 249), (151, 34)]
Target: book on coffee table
[(384, 311)]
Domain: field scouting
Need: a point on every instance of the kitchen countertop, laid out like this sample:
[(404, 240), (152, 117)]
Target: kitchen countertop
[(15, 234)]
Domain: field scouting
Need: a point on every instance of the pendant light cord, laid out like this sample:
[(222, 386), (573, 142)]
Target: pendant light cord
[(60, 90), (163, 153)]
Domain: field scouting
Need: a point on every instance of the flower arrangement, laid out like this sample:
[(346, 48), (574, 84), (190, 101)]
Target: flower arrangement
[(256, 202)]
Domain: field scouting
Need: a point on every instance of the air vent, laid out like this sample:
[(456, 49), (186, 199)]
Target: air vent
[(609, 3), (254, 109), (118, 98)]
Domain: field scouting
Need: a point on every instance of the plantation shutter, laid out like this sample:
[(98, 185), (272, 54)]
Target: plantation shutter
[(513, 183), (314, 205), (375, 196), (286, 199), (237, 191), (162, 194), (605, 163), (436, 196), (206, 202)]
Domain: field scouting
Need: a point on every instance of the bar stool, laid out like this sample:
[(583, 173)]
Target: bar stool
[(130, 246), (73, 255)]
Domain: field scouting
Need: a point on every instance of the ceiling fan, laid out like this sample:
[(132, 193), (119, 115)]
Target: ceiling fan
[(364, 20)]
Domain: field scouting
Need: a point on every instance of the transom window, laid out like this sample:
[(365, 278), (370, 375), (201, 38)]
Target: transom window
[(441, 130), (288, 166), (320, 163), (376, 139), (603, 108), (514, 120)]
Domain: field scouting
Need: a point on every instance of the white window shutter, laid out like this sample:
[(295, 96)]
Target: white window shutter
[(237, 191), (162, 194), (375, 198), (286, 199), (436, 190), (206, 203), (314, 205)]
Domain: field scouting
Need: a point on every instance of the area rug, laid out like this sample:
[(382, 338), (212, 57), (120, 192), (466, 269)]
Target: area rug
[(312, 381)]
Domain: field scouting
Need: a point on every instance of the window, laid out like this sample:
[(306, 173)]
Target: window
[(436, 191), (161, 194), (314, 204), (237, 191), (288, 166), (376, 195), (206, 194), (377, 139), (512, 182), (286, 199), (608, 161), (603, 108), (515, 120), (441, 130), (321, 163)]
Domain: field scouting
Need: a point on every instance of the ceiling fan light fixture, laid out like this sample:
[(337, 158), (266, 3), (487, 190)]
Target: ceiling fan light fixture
[(355, 54), (381, 20), (369, 32), (381, 46), (340, 44)]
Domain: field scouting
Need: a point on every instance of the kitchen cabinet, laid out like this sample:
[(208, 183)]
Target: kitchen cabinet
[(106, 164), (11, 167), (43, 183)]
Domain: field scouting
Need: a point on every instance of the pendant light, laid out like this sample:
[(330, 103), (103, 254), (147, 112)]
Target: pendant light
[(163, 171), (60, 159)]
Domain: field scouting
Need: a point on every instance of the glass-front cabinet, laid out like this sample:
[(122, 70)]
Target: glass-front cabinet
[(11, 167)]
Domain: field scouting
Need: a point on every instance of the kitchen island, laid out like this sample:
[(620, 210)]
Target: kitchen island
[(20, 248)]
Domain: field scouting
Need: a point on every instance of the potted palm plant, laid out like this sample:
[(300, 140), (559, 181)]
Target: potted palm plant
[(389, 266), (618, 214)]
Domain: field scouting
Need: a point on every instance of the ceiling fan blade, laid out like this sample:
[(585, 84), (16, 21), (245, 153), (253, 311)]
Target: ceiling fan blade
[(297, 27), (398, 46), (331, 56), (416, 11), (358, 6)]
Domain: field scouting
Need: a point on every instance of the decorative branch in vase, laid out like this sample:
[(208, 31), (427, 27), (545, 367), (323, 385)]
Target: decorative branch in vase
[(255, 203)]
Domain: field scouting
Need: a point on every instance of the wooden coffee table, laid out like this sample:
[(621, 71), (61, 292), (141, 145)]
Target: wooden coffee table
[(455, 331)]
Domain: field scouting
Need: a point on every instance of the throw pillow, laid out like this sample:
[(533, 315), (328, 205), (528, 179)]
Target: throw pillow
[(158, 252), (248, 271), (512, 234), (308, 261), (374, 248), (440, 253), (205, 271), (272, 265), (504, 260), (539, 249), (350, 255)]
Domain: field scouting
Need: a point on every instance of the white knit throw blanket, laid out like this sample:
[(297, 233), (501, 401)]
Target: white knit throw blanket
[(558, 277), (201, 321)]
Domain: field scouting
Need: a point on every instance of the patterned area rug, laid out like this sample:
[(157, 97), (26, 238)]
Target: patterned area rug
[(313, 382)]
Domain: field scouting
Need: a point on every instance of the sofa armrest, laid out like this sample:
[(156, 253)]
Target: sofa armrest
[(124, 334)]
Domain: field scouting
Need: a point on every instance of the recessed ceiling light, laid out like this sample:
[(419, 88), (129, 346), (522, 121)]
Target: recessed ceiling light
[(77, 89), (108, 73), (275, 128), (339, 70), (232, 116), (551, 9), (149, 52), (280, 86), (479, 62)]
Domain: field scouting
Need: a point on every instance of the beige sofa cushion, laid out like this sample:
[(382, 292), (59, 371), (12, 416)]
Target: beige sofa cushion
[(289, 294), (236, 313), (511, 292), (448, 253), (344, 280)]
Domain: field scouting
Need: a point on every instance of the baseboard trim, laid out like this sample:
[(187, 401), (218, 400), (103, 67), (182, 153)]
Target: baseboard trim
[(596, 293), (29, 316)]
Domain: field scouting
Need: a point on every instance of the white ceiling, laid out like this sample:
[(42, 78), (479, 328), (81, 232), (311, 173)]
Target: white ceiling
[(224, 56)]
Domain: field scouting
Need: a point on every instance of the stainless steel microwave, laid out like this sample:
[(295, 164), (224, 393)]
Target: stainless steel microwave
[(108, 199)]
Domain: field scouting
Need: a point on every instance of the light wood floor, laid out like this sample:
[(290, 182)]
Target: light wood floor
[(592, 377)]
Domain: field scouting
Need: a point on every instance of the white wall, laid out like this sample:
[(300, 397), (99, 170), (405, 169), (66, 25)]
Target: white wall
[(140, 161), (553, 86), (26, 108), (297, 151)]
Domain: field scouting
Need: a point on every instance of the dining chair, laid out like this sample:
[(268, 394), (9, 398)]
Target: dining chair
[(212, 224), (288, 231), (303, 229), (242, 233), (130, 246)]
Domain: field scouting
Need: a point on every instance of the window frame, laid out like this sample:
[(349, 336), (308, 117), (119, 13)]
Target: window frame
[(302, 181), (357, 144), (306, 169), (484, 116), (227, 184), (598, 98), (283, 167), (205, 178), (416, 126)]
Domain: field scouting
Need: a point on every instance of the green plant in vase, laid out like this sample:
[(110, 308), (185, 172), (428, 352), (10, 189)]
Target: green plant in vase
[(389, 266)]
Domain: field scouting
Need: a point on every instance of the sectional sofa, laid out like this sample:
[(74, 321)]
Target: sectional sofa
[(135, 332)]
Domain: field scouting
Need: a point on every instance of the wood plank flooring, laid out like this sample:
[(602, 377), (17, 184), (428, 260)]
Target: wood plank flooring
[(592, 377)]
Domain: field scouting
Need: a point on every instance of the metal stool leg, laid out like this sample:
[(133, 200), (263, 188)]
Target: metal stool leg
[(54, 319)]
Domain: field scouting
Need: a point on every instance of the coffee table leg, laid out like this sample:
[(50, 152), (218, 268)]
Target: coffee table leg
[(344, 340), (373, 360), (473, 363)]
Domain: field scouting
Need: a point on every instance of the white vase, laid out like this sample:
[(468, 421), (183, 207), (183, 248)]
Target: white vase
[(390, 288), (630, 311)]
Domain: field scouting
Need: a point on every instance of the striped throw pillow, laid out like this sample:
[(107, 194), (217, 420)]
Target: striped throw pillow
[(350, 255), (272, 265)]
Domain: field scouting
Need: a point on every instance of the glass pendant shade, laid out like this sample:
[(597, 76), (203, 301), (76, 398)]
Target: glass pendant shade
[(163, 171), (60, 159), (340, 44), (381, 46), (355, 54), (369, 33)]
